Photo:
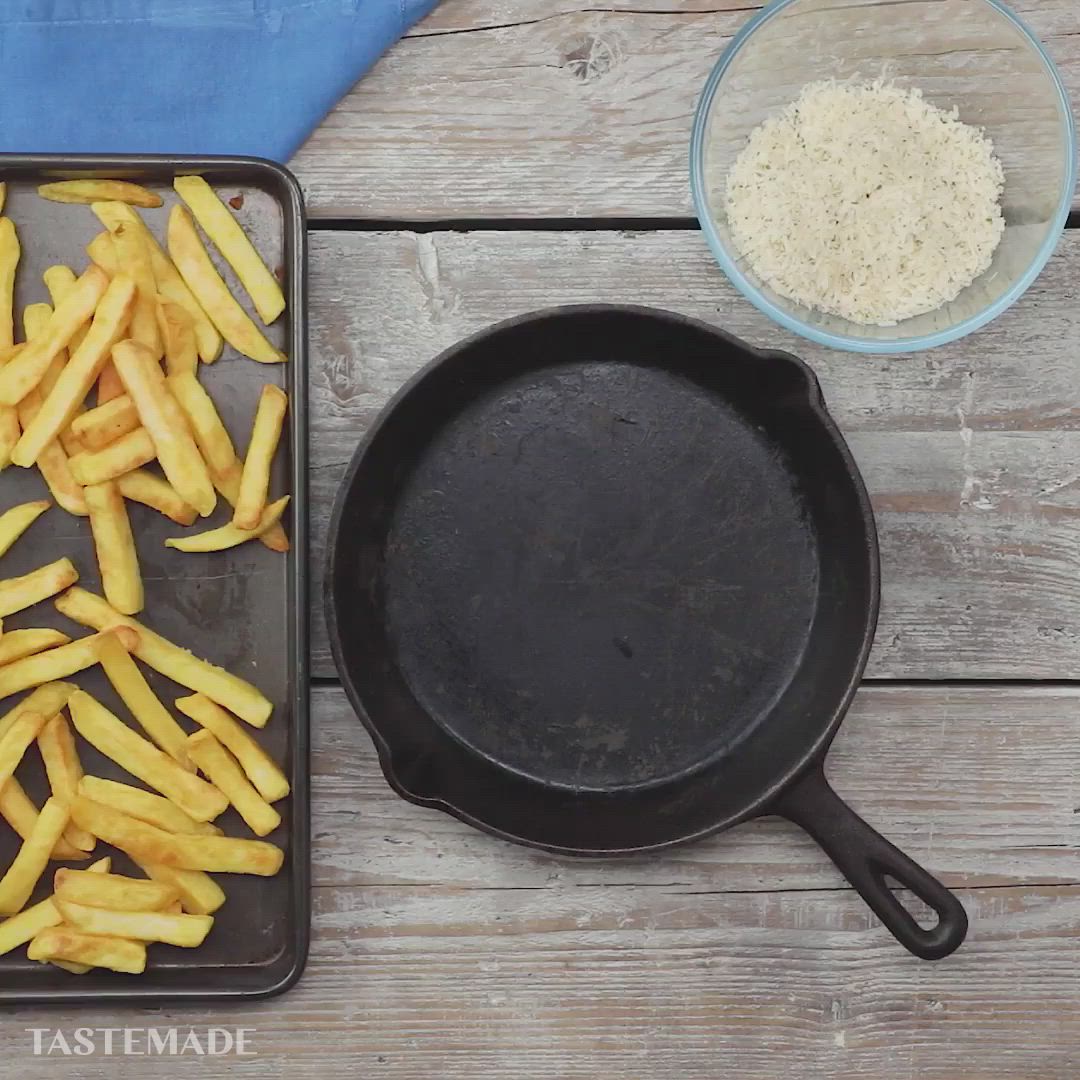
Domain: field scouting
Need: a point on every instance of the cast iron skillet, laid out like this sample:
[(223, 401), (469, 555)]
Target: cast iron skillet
[(604, 579)]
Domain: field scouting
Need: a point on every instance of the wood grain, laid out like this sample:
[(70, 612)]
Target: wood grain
[(439, 952), (971, 452), (541, 108)]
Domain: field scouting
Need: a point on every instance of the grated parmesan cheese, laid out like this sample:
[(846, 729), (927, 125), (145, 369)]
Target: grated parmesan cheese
[(863, 200)]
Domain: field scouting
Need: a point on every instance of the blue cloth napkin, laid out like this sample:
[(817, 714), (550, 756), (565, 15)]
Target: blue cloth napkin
[(184, 76)]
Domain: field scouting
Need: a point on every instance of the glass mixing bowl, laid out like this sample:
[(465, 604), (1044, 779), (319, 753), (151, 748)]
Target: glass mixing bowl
[(972, 54)]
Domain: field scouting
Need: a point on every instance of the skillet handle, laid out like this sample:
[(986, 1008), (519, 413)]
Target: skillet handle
[(864, 857)]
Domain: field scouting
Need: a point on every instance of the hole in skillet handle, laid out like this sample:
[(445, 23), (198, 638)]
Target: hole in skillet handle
[(868, 860)]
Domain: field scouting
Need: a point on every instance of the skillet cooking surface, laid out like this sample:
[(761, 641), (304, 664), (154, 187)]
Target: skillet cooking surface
[(599, 575)]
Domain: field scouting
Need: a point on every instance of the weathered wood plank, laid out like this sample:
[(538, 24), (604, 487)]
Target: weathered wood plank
[(536, 108), (436, 956), (979, 783), (972, 452)]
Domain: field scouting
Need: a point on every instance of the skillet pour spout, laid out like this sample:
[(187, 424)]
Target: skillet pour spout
[(604, 579)]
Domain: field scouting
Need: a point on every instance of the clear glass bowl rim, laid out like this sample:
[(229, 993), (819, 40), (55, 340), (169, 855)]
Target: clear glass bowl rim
[(854, 343)]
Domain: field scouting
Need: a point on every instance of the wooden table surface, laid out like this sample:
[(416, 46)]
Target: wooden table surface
[(513, 154)]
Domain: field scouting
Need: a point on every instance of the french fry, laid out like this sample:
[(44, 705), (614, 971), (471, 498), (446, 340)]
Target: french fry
[(231, 240), (169, 282), (112, 891), (47, 700), (144, 487), (142, 702), (21, 814), (48, 666), (9, 260), (60, 280), (22, 592), (22, 875), (98, 427), (219, 766), (130, 451), (23, 372), (200, 894), (142, 759), (9, 433), (92, 191), (178, 338), (145, 805), (35, 320), (14, 522), (134, 258), (15, 740), (64, 770), (187, 931), (228, 690), (255, 479), (16, 644), (147, 844), (21, 928), (216, 447), (91, 950), (109, 385), (200, 276), (115, 546), (102, 253), (52, 462), (176, 450), (229, 536), (61, 405), (261, 769)]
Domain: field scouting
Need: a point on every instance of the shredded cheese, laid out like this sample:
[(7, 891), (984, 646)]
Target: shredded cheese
[(863, 200)]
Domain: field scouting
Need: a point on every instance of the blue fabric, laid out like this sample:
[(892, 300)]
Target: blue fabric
[(184, 76)]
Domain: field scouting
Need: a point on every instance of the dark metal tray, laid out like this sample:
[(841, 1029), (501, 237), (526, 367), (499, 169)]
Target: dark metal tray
[(245, 609)]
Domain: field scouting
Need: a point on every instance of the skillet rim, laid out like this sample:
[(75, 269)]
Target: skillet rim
[(813, 400)]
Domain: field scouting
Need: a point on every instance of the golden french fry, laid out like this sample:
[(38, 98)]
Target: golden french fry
[(16, 644), (9, 433), (178, 338), (23, 731), (212, 293), (216, 447), (142, 702), (142, 759), (169, 282), (23, 372), (14, 522), (22, 592), (102, 253), (229, 536), (91, 950), (231, 240), (23, 873), (109, 385), (147, 844), (219, 766), (21, 928), (134, 258), (187, 931), (64, 770), (200, 894), (48, 666), (261, 769), (145, 805), (35, 321), (52, 462), (98, 427), (92, 191), (112, 891), (9, 260), (130, 451), (255, 479), (60, 280), (47, 700), (115, 546), (144, 487), (61, 405), (21, 814), (173, 662), (176, 450)]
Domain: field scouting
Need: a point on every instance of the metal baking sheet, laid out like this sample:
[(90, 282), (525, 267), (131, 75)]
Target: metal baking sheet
[(244, 609)]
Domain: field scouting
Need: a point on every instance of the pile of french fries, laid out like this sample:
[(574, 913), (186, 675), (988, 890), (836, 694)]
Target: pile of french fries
[(134, 328)]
